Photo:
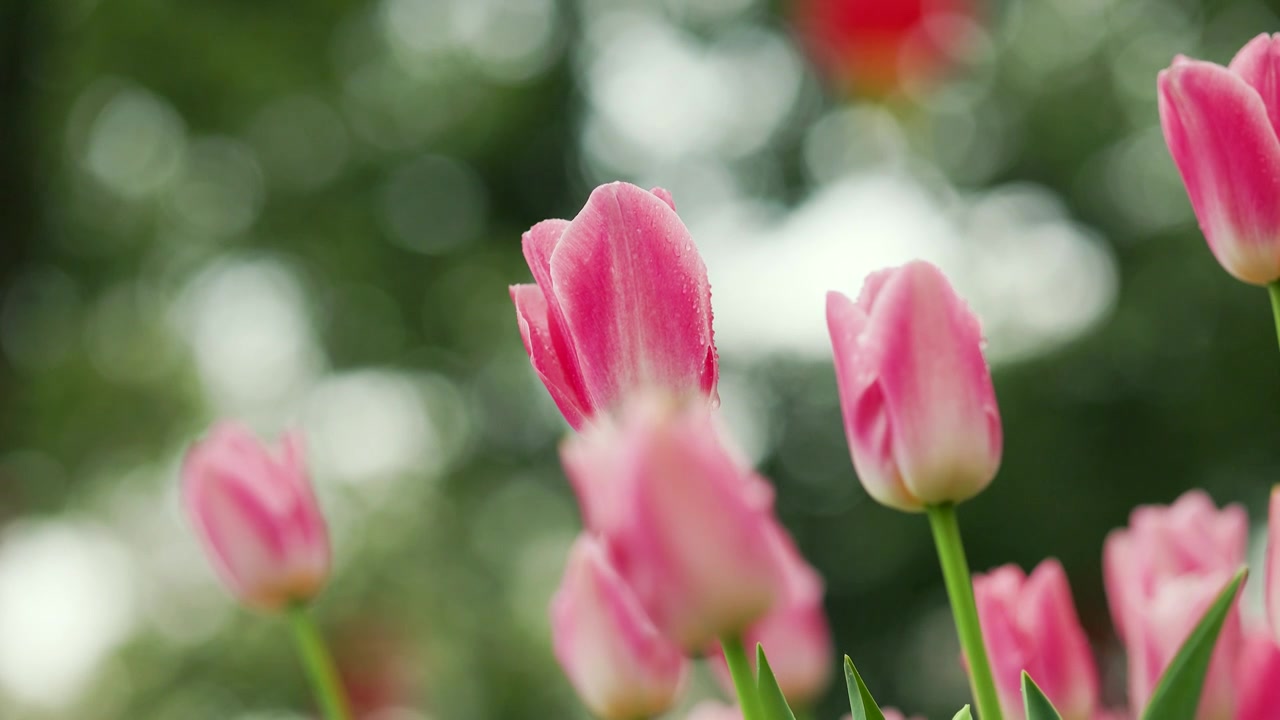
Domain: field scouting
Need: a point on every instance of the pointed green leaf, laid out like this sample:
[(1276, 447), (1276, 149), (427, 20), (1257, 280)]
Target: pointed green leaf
[(775, 704), (1177, 695), (964, 714), (1036, 704), (861, 703)]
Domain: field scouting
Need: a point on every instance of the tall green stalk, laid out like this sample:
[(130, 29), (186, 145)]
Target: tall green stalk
[(319, 664), (744, 681)]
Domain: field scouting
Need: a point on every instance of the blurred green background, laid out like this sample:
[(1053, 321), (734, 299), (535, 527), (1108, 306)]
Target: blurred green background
[(308, 214)]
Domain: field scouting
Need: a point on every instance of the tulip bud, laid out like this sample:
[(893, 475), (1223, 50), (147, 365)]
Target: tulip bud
[(890, 714), (712, 710), (1030, 624), (619, 663), (1272, 577), (919, 408), (621, 303), (795, 634), (1220, 126), (1162, 573), (255, 512), (688, 525), (1258, 677)]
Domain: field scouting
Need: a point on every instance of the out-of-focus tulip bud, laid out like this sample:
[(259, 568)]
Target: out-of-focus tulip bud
[(712, 710), (257, 517), (1220, 124), (795, 634), (919, 408), (688, 525), (619, 663), (877, 46), (1030, 623), (621, 303), (891, 714), (1162, 573), (1258, 680)]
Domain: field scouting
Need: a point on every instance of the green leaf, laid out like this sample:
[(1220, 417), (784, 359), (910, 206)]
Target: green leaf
[(1036, 704), (864, 706), (775, 704), (1177, 695), (964, 714)]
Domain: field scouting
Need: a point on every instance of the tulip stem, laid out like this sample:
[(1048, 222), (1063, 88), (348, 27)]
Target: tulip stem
[(319, 664), (1273, 288), (955, 573), (744, 680)]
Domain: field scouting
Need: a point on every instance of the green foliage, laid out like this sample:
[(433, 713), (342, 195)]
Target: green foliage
[(861, 703), (1036, 704), (964, 714), (1178, 693)]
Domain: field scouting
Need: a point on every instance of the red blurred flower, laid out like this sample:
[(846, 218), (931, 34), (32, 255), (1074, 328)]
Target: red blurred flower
[(877, 46)]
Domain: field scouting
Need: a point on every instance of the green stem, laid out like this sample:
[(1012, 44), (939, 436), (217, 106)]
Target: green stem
[(1274, 290), (744, 680), (955, 572), (319, 664)]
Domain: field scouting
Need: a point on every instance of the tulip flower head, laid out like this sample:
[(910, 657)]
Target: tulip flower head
[(1029, 623), (688, 525), (1220, 124), (619, 663), (621, 304), (919, 408), (1162, 573), (1258, 677), (257, 517)]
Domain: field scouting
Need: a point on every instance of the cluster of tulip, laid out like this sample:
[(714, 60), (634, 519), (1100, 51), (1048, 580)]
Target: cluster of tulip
[(681, 555)]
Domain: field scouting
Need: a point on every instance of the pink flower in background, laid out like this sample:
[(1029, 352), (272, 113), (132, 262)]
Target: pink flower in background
[(712, 710), (257, 517), (1162, 573), (1220, 125), (879, 45), (621, 302), (919, 408), (1030, 623), (795, 634), (891, 714), (619, 663), (1258, 682), (688, 525)]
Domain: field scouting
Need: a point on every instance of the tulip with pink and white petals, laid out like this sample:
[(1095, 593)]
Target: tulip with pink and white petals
[(619, 663), (621, 302), (919, 408), (1030, 623), (795, 634), (688, 525), (1221, 127), (1162, 573), (255, 512)]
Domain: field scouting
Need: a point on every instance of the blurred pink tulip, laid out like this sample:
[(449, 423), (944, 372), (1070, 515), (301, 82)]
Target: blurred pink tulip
[(257, 517), (1258, 682), (619, 663), (1030, 623), (795, 634), (1271, 581), (713, 710), (1162, 573), (919, 408), (621, 302), (1220, 125), (890, 714), (687, 523)]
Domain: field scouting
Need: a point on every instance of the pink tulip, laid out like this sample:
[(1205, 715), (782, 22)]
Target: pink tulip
[(1220, 125), (1272, 578), (890, 714), (619, 663), (257, 517), (1030, 623), (1258, 681), (712, 710), (621, 302), (688, 525), (919, 408), (795, 634), (1162, 573)]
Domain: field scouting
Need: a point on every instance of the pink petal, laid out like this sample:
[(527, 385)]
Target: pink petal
[(635, 296), (1259, 64), (1225, 147), (1272, 577), (548, 353)]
